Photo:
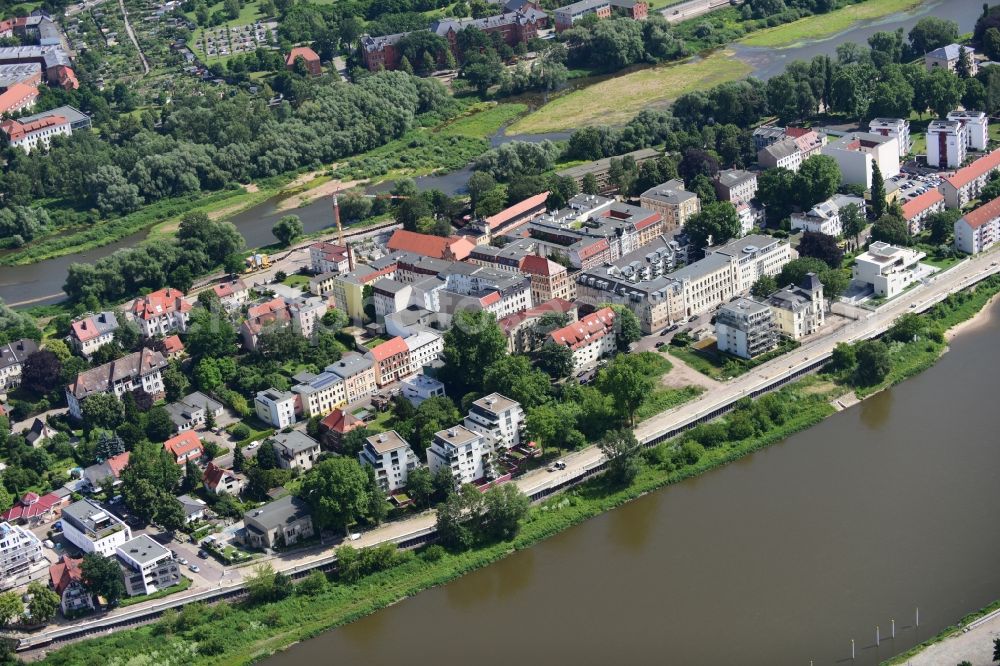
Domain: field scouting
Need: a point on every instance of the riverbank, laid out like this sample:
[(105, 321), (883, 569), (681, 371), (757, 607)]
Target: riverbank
[(278, 625), (957, 643), (822, 26)]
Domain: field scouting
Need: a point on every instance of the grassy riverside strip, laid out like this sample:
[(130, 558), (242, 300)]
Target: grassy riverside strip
[(299, 617), (944, 634), (821, 26)]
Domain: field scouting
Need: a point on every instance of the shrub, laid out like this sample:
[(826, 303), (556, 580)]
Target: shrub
[(433, 553)]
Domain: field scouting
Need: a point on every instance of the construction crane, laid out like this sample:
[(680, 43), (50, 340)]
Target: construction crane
[(336, 209)]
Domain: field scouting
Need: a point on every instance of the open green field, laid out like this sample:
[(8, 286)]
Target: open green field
[(826, 25), (617, 100), (482, 120)]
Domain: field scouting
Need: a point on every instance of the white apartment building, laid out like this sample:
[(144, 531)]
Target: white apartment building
[(947, 143), (824, 217), (329, 258), (855, 153), (978, 230), (93, 529), (148, 566), (976, 128), (745, 328), (321, 394), (497, 417), (295, 450), (948, 56), (275, 407), (418, 388), (425, 347), (160, 313), (92, 332), (391, 457), (36, 133), (887, 268), (12, 356), (591, 338), (467, 454), (139, 369), (19, 551), (898, 128), (358, 373), (799, 310)]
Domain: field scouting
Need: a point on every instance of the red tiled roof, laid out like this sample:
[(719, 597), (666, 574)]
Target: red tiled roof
[(66, 77), (648, 221), (983, 214), (389, 349), (273, 305), (214, 475), (229, 288), (592, 327), (118, 463), (65, 572), (159, 303), (490, 298), (454, 247), (16, 130), (31, 506), (301, 52), (536, 265), (183, 444), (16, 96), (966, 175), (919, 204), (83, 330), (173, 344), (341, 422), (508, 323), (331, 251), (795, 132), (520, 208), (595, 248)]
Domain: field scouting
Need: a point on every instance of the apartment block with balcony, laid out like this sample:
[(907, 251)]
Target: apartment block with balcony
[(20, 551), (93, 529), (976, 124), (979, 229), (745, 328), (497, 417), (392, 459), (947, 144), (148, 567), (465, 453), (888, 269)]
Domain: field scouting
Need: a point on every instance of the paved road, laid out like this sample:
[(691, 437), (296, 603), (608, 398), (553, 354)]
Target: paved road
[(692, 9), (974, 646)]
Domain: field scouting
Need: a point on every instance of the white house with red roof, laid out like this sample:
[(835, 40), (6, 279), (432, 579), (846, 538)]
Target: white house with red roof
[(185, 446), (590, 339), (219, 480), (66, 578), (161, 312), (978, 230), (919, 208), (28, 136), (32, 508), (232, 293), (92, 332), (329, 258), (965, 184), (18, 97)]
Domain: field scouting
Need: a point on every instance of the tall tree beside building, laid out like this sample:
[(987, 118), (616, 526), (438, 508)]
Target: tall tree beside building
[(473, 342), (878, 191), (621, 449), (102, 576), (337, 492)]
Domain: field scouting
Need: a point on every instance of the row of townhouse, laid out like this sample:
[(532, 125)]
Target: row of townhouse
[(138, 370)]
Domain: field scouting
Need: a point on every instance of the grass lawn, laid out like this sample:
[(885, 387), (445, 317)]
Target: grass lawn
[(482, 120), (381, 422), (159, 594), (619, 99), (826, 25), (296, 281), (710, 362)]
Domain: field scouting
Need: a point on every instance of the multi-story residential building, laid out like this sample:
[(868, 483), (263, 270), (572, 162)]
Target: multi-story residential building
[(745, 328), (348, 290), (335, 426), (979, 229), (799, 310), (148, 566), (282, 522), (966, 184), (976, 127), (18, 97), (886, 268), (327, 257), (392, 361), (601, 169), (29, 136), (358, 373), (856, 152), (192, 411), (735, 185), (824, 217), (160, 313), (567, 15), (295, 450), (549, 280), (276, 408), (511, 27), (92, 332), (20, 551), (765, 135), (418, 388), (66, 578), (521, 329), (321, 394), (947, 143), (137, 370), (674, 204), (232, 293), (381, 52), (510, 219), (919, 208), (467, 454), (898, 128), (219, 480), (426, 347), (300, 313), (391, 457), (93, 529), (730, 270), (498, 417), (184, 447), (790, 152), (12, 357), (590, 339), (948, 56), (307, 56)]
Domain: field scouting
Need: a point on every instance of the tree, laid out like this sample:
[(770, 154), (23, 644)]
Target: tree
[(239, 459), (964, 65), (504, 507), (991, 44), (996, 649), (210, 333), (874, 362), (589, 185), (555, 424), (175, 382), (287, 229), (452, 526), (41, 371), (852, 221), (159, 427), (420, 486), (625, 382), (621, 449), (932, 32), (43, 604), (108, 446), (376, 508), (821, 246), (478, 185), (336, 491), (266, 457), (843, 357), (11, 607), (168, 512), (556, 360), (103, 410), (513, 376), (764, 287), (818, 179), (940, 90), (627, 327), (482, 70), (265, 585), (942, 224), (716, 223), (891, 229), (907, 328), (878, 191), (102, 576), (473, 341)]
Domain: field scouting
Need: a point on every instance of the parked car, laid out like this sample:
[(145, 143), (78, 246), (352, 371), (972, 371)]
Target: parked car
[(202, 554), (48, 543), (194, 567), (559, 464), (355, 536), (254, 444)]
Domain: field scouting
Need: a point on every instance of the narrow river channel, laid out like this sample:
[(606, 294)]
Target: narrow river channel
[(780, 558)]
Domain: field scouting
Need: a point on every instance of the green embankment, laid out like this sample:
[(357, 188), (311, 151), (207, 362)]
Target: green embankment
[(821, 26)]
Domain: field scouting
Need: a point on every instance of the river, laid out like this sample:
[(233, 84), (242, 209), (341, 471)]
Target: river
[(42, 282), (780, 558)]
